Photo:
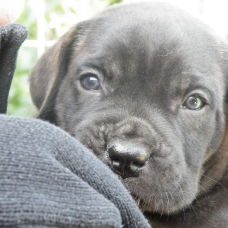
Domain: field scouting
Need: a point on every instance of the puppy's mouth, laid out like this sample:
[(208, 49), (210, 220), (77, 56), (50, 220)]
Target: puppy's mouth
[(153, 197), (153, 190)]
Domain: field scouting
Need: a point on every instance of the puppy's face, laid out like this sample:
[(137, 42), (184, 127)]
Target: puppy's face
[(143, 86)]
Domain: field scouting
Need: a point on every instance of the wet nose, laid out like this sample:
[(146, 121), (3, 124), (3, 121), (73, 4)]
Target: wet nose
[(127, 159)]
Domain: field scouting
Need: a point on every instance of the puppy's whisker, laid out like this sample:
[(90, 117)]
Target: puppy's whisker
[(167, 204), (45, 111), (204, 190), (214, 181)]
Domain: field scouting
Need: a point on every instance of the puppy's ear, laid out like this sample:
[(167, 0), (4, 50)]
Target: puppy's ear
[(47, 75)]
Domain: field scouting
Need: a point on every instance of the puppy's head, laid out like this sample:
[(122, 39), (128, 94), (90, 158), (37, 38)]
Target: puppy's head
[(144, 87)]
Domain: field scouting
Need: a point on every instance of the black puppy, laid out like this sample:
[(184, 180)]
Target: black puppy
[(144, 87)]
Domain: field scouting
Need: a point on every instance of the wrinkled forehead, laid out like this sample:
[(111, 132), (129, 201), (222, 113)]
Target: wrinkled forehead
[(158, 45), (148, 31)]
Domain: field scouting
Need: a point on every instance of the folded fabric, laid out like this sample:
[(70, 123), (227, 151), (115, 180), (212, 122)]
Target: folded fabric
[(11, 38), (48, 179)]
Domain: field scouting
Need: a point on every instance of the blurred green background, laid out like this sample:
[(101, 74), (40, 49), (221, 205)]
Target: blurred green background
[(58, 16)]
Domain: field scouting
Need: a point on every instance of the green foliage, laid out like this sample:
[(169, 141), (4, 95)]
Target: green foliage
[(59, 17), (28, 19), (112, 2), (19, 102)]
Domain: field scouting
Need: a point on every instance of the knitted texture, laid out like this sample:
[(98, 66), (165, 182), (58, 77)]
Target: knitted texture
[(48, 179)]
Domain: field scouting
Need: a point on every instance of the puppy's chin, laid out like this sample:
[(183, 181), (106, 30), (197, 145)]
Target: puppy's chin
[(161, 197), (164, 201)]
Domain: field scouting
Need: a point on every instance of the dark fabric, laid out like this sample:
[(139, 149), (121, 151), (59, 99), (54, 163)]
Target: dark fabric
[(47, 178), (11, 38)]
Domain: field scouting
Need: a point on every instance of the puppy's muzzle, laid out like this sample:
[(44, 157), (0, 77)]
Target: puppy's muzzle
[(128, 155)]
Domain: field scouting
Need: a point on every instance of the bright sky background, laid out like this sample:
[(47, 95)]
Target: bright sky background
[(212, 12)]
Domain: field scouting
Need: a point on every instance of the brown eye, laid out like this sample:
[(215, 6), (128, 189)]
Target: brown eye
[(90, 82), (194, 102)]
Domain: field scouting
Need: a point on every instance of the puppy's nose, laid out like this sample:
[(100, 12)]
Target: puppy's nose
[(127, 159)]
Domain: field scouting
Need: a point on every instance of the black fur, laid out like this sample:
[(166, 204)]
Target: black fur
[(152, 60)]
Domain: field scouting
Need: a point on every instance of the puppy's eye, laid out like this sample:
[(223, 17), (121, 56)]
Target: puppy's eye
[(194, 102), (90, 82)]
